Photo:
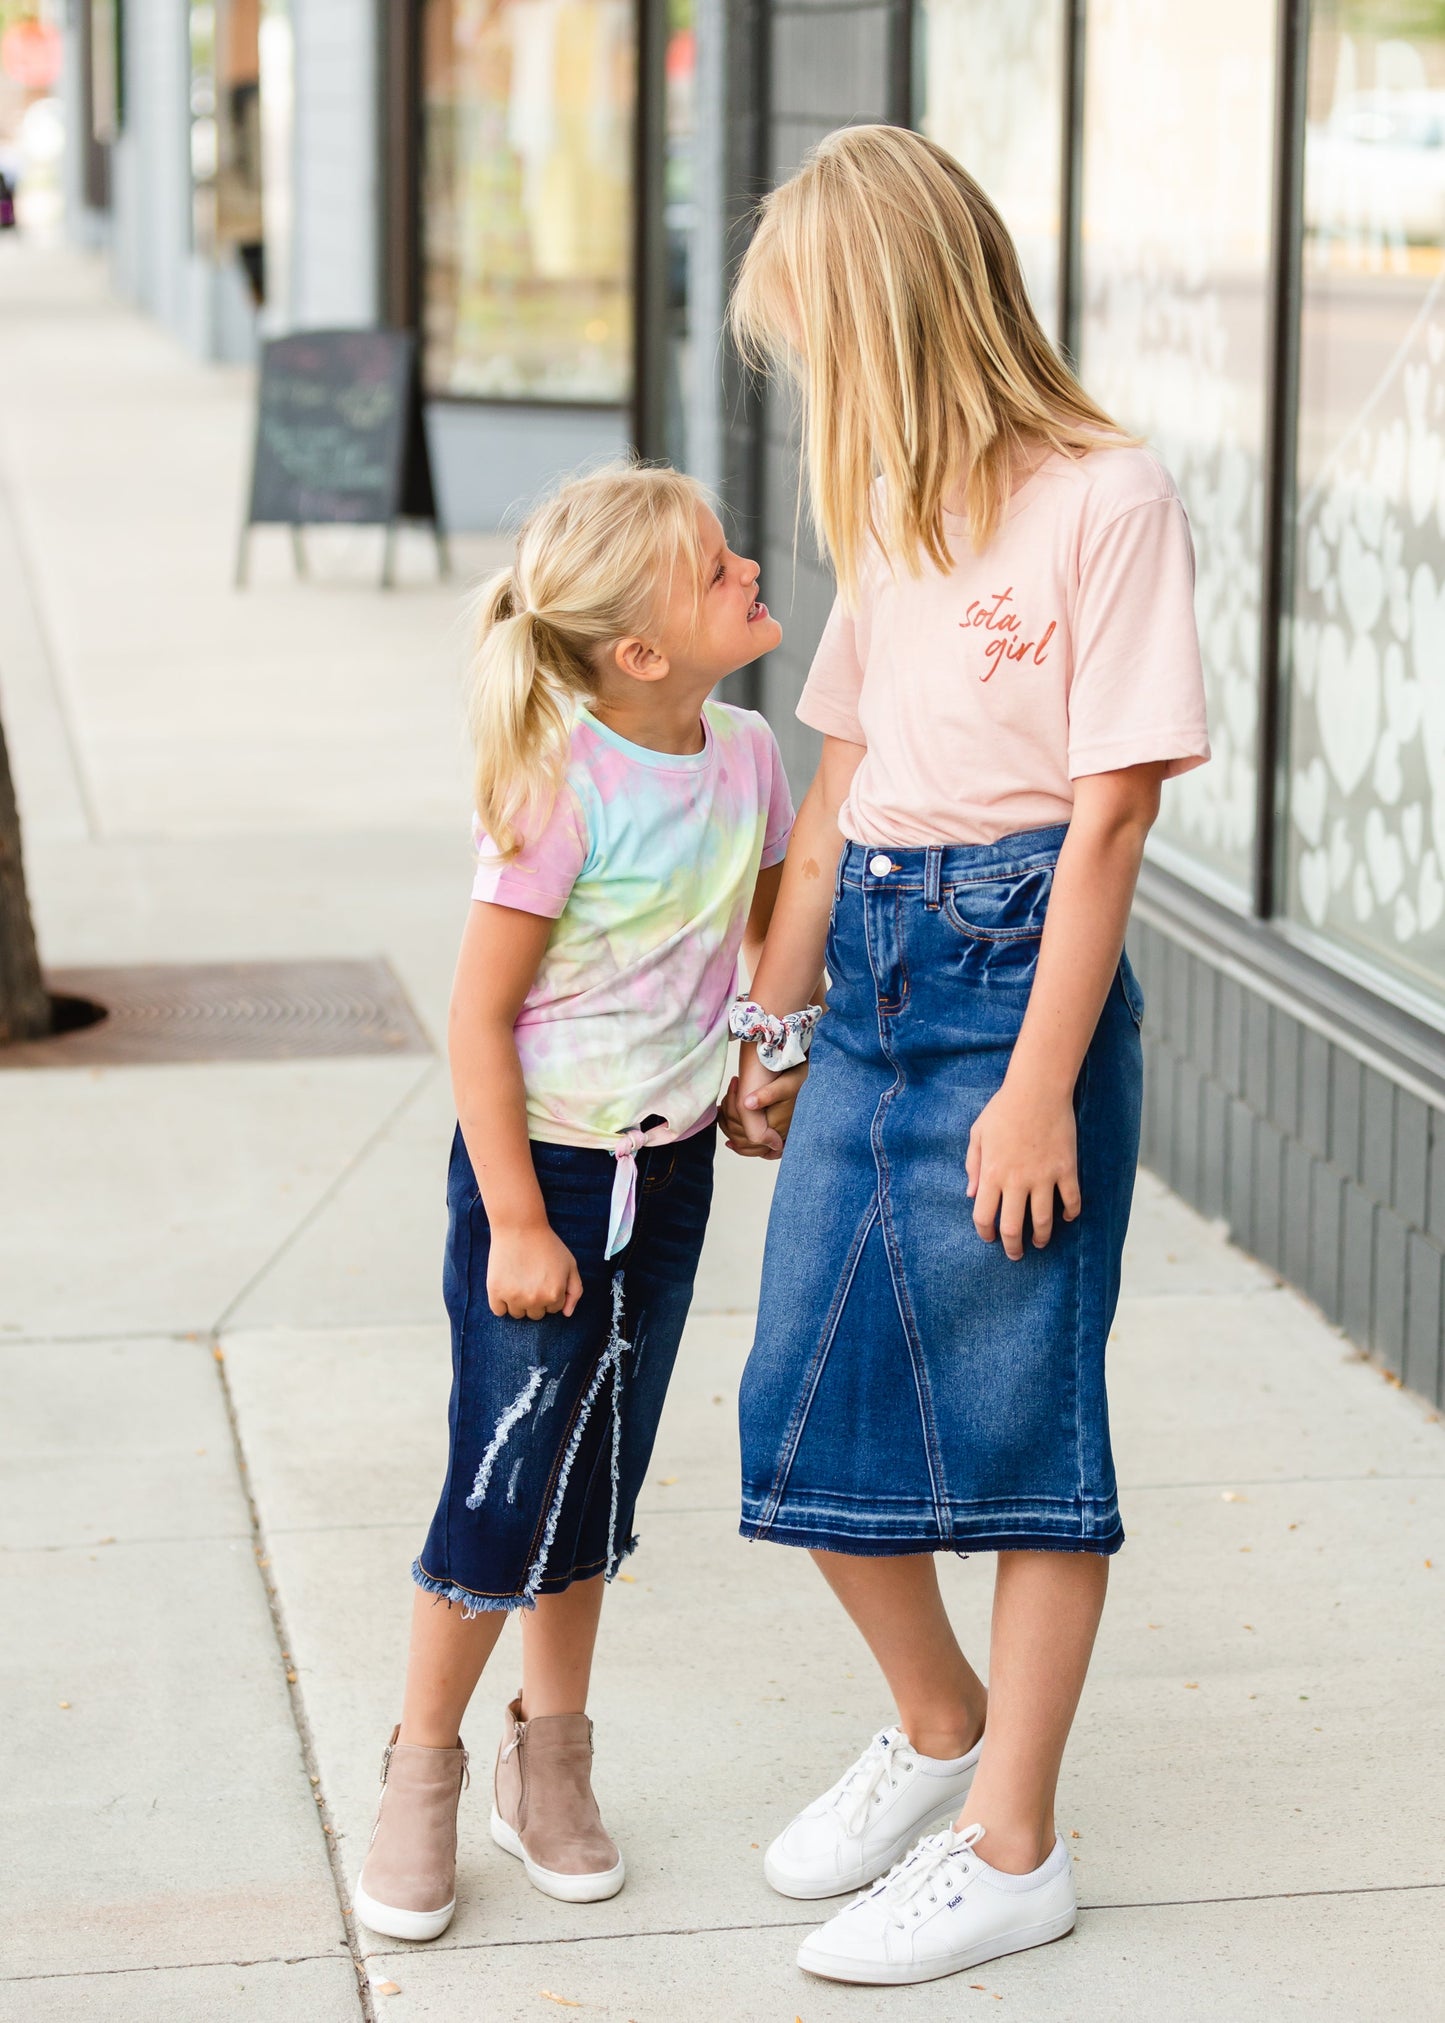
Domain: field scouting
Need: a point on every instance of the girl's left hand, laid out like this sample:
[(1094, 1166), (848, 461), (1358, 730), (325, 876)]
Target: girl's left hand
[(1022, 1149)]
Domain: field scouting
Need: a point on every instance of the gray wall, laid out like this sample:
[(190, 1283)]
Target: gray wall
[(491, 461)]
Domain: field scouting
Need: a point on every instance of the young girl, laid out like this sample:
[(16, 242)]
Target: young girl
[(629, 826), (1009, 673)]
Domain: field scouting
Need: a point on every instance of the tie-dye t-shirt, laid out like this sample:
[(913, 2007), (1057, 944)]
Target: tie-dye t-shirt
[(647, 864)]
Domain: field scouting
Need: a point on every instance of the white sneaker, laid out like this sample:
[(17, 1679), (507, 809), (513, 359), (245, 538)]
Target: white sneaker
[(856, 1832), (941, 1910)]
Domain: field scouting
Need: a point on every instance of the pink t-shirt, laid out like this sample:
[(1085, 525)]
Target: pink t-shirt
[(982, 692)]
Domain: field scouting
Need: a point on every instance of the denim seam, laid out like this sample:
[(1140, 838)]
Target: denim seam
[(922, 1391), (972, 932), (792, 1438), (887, 1007)]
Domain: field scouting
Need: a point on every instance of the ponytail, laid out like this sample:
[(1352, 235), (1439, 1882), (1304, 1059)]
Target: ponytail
[(595, 564), (521, 713)]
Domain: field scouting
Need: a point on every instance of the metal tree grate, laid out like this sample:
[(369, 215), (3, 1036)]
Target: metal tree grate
[(228, 1011)]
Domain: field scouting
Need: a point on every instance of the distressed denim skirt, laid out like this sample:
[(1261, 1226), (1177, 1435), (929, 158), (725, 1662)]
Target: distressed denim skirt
[(552, 1422), (909, 1388)]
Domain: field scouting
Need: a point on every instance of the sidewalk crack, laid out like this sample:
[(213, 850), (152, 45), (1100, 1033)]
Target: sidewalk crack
[(310, 1762)]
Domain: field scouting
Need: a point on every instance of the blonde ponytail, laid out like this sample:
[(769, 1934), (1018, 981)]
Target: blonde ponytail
[(597, 562)]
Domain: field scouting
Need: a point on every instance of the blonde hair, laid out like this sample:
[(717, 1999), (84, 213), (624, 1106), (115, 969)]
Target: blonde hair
[(596, 562), (885, 279)]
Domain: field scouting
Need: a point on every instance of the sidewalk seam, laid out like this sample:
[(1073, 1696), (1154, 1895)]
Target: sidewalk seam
[(171, 1967), (677, 1932), (300, 1720), (802, 1924)]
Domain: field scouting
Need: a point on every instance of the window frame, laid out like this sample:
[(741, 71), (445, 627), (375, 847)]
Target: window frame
[(1258, 942)]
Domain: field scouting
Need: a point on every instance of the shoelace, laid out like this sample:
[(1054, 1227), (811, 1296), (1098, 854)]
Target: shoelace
[(937, 1862), (875, 1768)]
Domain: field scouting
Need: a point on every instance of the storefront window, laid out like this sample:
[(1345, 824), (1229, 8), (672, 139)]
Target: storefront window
[(1176, 227), (1366, 858), (991, 92), (1178, 128), (527, 227)]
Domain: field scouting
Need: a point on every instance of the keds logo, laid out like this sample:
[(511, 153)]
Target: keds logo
[(1004, 629)]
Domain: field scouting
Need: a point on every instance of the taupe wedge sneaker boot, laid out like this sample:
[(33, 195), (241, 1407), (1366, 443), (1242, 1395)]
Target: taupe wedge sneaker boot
[(544, 1811), (408, 1883)]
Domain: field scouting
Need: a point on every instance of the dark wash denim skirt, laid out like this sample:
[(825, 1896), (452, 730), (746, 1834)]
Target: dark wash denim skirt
[(552, 1422), (909, 1388)]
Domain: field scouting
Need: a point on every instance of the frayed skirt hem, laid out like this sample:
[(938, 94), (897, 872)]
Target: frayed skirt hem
[(473, 1604)]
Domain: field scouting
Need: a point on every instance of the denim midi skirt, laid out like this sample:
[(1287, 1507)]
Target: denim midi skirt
[(910, 1389)]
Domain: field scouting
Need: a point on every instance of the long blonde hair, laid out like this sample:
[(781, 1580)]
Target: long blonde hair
[(883, 277), (596, 562)]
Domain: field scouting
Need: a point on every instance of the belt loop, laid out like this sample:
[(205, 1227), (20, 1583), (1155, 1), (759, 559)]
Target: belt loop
[(933, 876), (838, 874)]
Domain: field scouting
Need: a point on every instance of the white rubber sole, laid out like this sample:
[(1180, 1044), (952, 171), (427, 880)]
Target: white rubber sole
[(811, 1889), (902, 1973), (568, 1889), (395, 1924)]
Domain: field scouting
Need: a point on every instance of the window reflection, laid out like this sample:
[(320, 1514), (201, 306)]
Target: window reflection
[(1177, 175), (528, 198), (992, 94), (1366, 854)]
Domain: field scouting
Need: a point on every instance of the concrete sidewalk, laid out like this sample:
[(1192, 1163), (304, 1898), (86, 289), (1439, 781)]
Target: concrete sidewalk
[(225, 1368)]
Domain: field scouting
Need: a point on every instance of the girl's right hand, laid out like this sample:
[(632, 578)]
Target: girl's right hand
[(531, 1273)]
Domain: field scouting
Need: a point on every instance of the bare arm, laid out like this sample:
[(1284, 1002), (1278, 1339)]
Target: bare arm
[(787, 975), (792, 960), (530, 1271), (1023, 1145), (760, 914)]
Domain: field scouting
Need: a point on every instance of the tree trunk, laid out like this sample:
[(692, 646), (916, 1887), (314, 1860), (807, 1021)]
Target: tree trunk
[(24, 1006)]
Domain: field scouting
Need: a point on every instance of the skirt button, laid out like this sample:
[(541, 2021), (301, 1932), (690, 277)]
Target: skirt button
[(880, 865)]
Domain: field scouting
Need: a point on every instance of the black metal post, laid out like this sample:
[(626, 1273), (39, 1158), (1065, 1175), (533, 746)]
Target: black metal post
[(1071, 190), (1281, 414), (649, 241)]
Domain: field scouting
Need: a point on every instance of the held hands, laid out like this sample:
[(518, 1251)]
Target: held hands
[(1022, 1148), (531, 1273), (758, 1107)]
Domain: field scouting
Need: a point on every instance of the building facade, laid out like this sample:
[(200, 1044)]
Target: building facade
[(1232, 219)]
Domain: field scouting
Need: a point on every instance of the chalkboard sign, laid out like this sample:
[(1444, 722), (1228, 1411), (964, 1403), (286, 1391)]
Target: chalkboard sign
[(339, 439)]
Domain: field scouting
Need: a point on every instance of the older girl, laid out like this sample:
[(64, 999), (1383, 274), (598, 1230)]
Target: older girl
[(1010, 672), (632, 828)]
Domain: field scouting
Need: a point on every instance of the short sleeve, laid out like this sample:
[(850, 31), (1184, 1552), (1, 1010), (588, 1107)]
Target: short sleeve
[(780, 805), (539, 879), (829, 702), (1137, 692)]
